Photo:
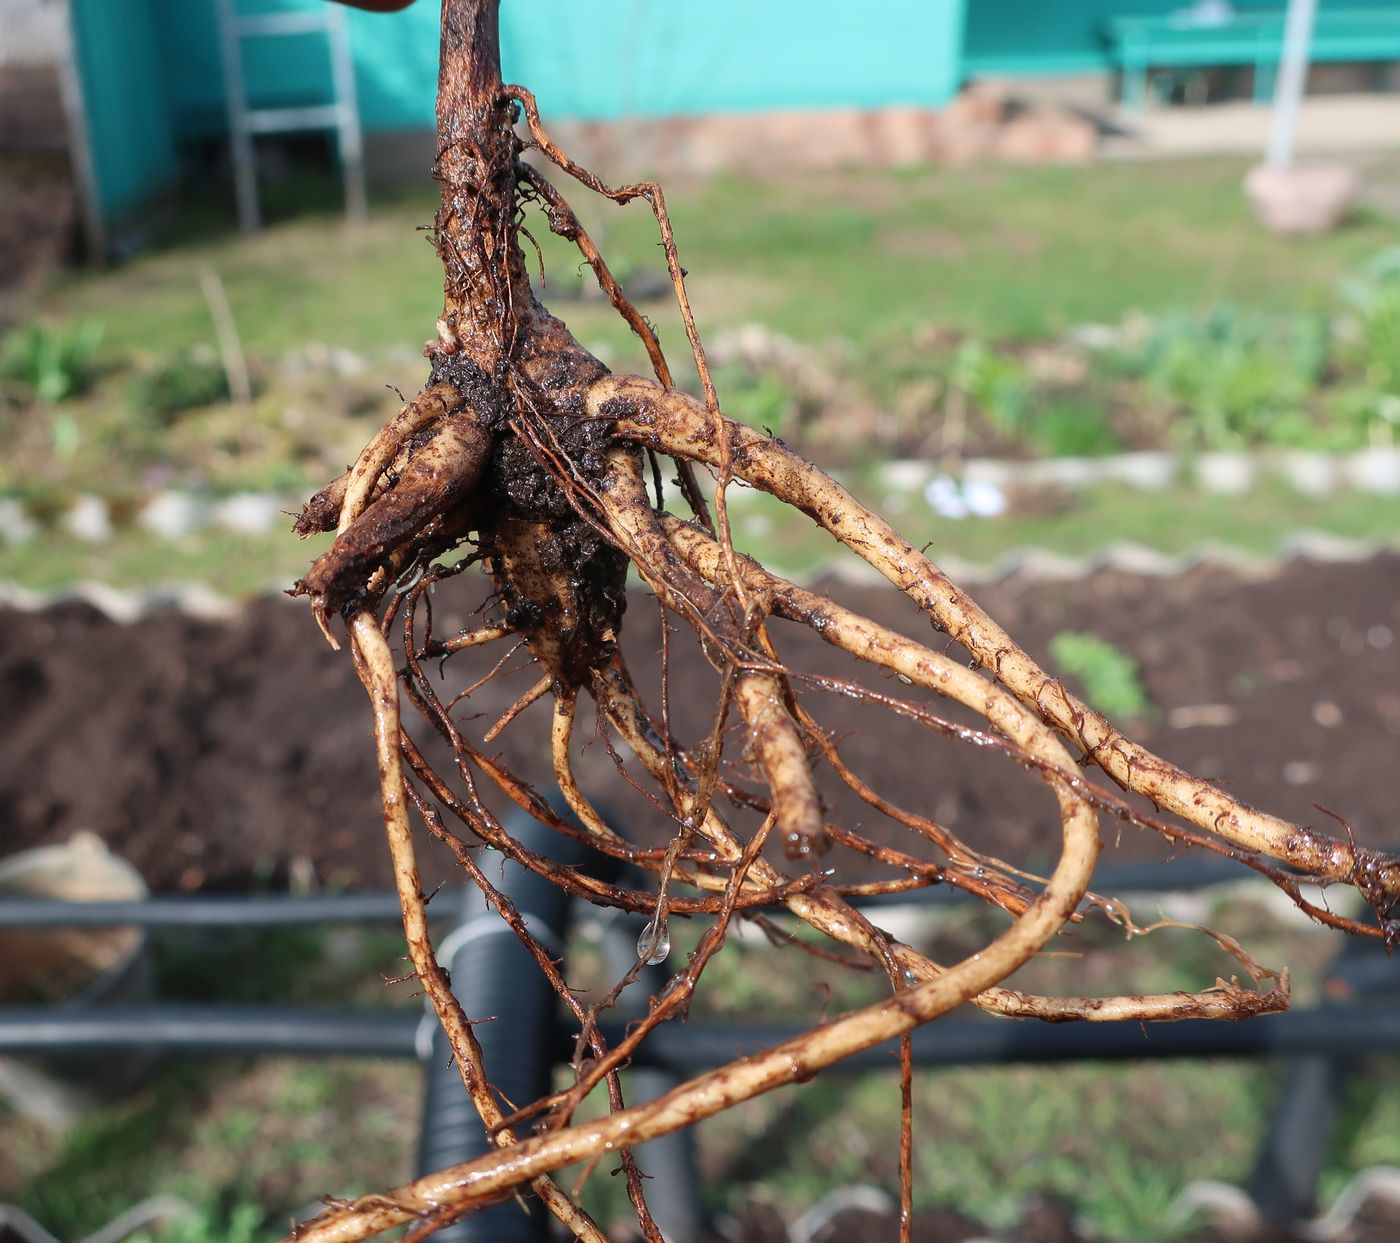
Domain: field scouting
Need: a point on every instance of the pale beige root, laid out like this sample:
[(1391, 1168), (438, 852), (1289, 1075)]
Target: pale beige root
[(537, 692), (414, 494), (459, 1189), (392, 527), (761, 694), (669, 421), (887, 649), (375, 664), (470, 638), (824, 911), (561, 735), (835, 918), (431, 403), (782, 758), (327, 510)]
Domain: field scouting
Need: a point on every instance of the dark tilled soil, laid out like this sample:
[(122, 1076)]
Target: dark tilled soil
[(214, 755)]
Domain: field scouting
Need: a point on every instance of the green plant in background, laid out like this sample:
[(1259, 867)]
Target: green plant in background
[(1111, 679), (1234, 379), (1074, 425), (1370, 329), (175, 383), (1373, 299), (995, 383), (241, 1224), (759, 399), (47, 363)]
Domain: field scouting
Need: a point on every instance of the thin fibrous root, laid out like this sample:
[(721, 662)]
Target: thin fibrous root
[(672, 422), (934, 671), (375, 664), (533, 695), (760, 693), (443, 470), (471, 1184)]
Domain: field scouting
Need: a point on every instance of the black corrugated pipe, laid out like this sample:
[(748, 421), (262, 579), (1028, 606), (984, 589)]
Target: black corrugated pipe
[(209, 1030), (516, 1015), (205, 911), (278, 910), (668, 1163), (1343, 1029)]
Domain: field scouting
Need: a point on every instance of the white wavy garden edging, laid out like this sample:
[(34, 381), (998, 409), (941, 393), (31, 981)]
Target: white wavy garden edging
[(1227, 1206), (1126, 557), (1314, 474), (168, 515), (173, 514), (1033, 564), (125, 606)]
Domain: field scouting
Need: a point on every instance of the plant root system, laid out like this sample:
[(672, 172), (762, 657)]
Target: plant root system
[(523, 454)]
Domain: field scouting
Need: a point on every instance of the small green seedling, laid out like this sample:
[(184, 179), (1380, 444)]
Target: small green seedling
[(1111, 678)]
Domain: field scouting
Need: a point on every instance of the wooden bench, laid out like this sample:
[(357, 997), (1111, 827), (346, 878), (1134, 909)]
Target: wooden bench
[(1182, 40)]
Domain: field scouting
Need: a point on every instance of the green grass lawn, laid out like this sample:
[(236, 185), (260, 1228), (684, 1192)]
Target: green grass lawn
[(861, 255), (877, 275)]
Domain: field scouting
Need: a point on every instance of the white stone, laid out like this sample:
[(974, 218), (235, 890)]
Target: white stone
[(907, 474), (1066, 472), (944, 497), (1230, 473), (249, 513), (1300, 772), (1130, 557), (1149, 471), (345, 363), (16, 526), (1096, 336), (983, 499), (1374, 470), (172, 515), (991, 470), (1312, 474), (89, 520)]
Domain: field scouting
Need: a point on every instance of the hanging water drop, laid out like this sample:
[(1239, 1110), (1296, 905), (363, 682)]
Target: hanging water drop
[(654, 945)]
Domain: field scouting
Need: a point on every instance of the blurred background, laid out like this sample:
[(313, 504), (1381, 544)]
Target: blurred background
[(1101, 298)]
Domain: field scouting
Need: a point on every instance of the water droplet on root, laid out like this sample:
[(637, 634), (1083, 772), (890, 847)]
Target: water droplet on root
[(654, 947)]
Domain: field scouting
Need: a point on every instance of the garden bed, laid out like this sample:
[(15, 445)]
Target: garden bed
[(224, 754)]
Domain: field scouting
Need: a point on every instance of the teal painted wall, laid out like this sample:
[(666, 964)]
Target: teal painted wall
[(1066, 36), (289, 70), (599, 59), (611, 58), (130, 140), (153, 76)]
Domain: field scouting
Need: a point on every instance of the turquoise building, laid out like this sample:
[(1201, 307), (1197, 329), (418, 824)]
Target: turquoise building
[(152, 83), (152, 86)]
